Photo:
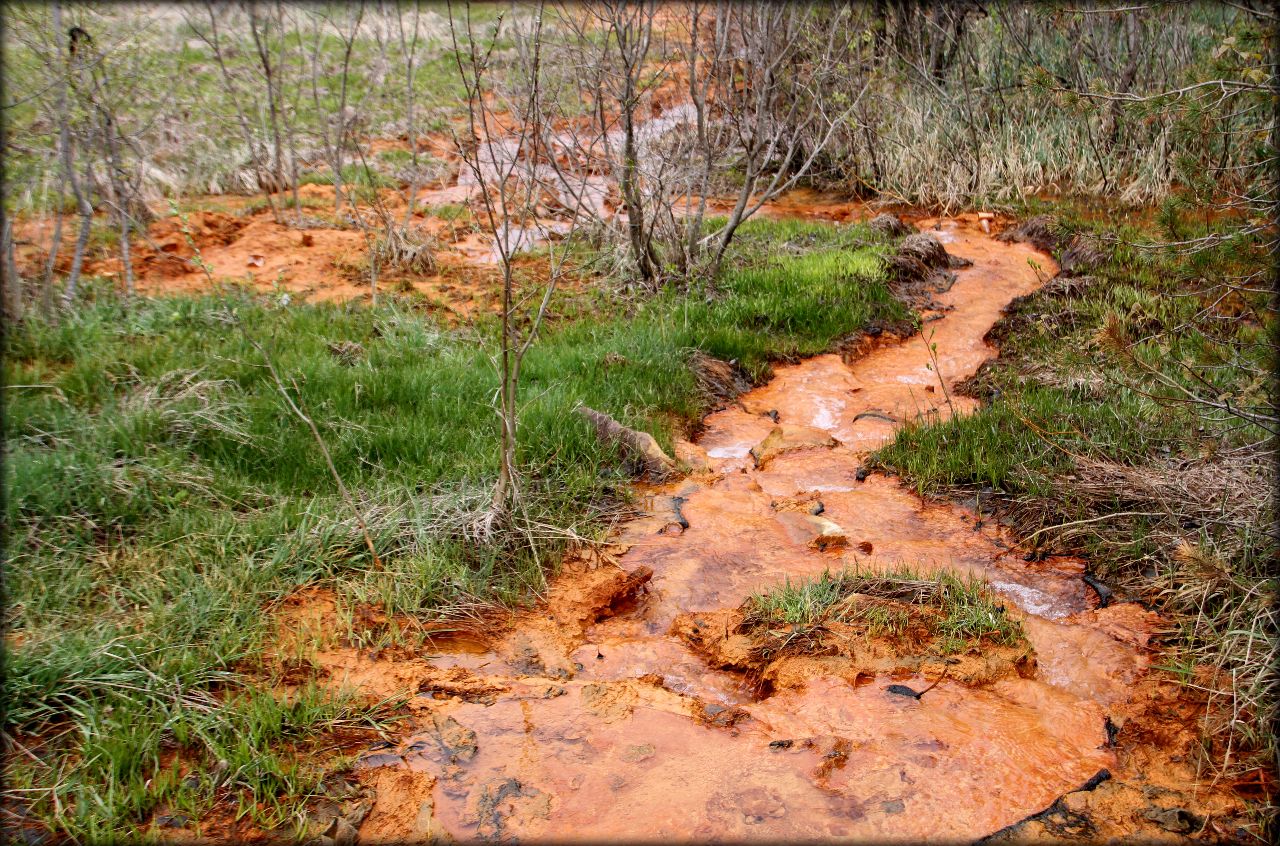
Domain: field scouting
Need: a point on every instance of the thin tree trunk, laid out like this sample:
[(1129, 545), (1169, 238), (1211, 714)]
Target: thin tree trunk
[(64, 142), (83, 206), (273, 108), (215, 44), (13, 297), (82, 242), (633, 48), (125, 257), (410, 50), (290, 129), (118, 187)]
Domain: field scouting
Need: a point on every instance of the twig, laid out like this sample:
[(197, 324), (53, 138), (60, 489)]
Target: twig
[(1095, 520), (933, 356)]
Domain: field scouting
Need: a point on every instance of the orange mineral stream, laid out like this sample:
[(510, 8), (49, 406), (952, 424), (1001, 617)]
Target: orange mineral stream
[(590, 723)]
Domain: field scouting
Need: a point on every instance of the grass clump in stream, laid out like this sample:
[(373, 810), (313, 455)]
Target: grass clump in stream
[(161, 497), (956, 612)]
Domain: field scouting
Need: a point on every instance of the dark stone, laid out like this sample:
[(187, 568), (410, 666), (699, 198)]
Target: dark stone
[(1105, 594), (902, 690), (1112, 730)]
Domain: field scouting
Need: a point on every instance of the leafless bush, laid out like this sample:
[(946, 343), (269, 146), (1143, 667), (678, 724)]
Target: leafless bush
[(503, 164), (404, 249)]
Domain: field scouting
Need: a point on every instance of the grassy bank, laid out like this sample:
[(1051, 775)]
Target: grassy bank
[(1129, 417), (160, 496)]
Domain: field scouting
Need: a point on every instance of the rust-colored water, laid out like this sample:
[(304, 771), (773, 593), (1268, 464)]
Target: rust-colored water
[(573, 728)]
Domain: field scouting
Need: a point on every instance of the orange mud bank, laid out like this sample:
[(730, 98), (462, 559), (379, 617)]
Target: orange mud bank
[(319, 260), (603, 714)]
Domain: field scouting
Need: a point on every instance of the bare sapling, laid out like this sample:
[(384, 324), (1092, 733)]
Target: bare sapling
[(335, 122), (271, 60), (105, 135), (74, 66), (504, 166), (244, 101), (409, 42), (611, 48)]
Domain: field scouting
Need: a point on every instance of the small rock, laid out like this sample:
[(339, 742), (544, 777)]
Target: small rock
[(785, 438), (639, 446), (893, 806), (723, 717), (324, 812)]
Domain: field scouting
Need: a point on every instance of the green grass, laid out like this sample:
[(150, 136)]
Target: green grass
[(250, 744), (969, 612), (161, 495)]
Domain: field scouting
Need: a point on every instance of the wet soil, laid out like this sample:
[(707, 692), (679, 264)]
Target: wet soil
[(627, 705)]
